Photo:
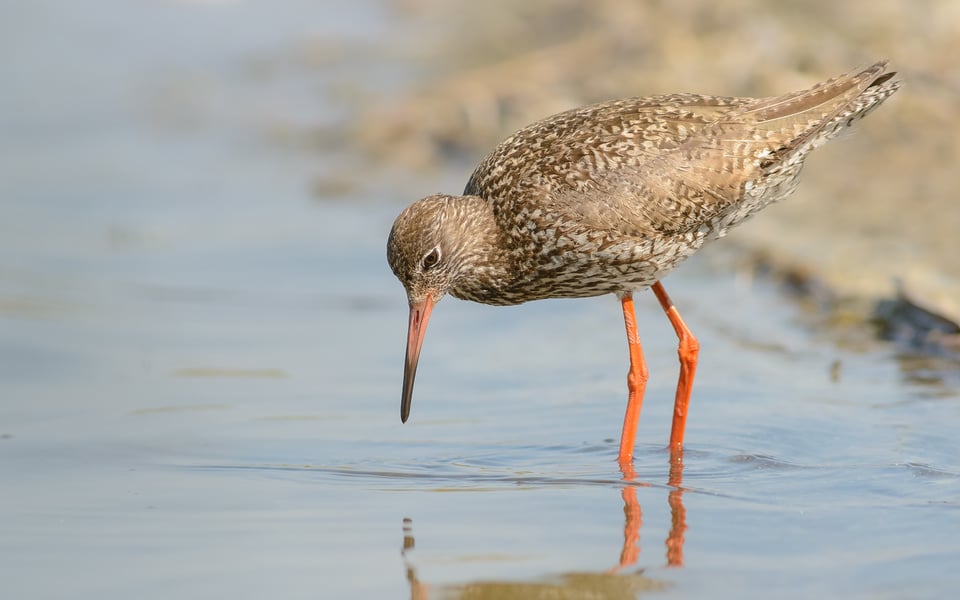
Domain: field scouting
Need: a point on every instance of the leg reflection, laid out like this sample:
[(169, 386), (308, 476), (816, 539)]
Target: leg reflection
[(631, 528), (678, 512), (633, 515)]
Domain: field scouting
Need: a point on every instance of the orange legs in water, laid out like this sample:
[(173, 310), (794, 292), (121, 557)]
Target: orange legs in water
[(688, 350)]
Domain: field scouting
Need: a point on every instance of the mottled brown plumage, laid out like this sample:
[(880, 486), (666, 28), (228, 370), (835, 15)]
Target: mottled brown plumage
[(611, 197)]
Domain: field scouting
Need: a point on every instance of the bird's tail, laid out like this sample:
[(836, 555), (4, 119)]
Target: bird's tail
[(818, 114)]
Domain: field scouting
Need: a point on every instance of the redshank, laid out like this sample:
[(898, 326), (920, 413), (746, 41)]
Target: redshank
[(608, 199)]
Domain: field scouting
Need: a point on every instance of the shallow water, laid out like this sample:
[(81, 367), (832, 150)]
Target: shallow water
[(200, 371)]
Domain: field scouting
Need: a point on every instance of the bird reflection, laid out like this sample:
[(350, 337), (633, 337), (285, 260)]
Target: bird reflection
[(611, 584), (418, 590)]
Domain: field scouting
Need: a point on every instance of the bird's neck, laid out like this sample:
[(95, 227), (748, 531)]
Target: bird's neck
[(486, 273)]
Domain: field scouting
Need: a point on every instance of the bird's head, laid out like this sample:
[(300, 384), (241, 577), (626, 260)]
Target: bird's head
[(429, 252), (423, 249)]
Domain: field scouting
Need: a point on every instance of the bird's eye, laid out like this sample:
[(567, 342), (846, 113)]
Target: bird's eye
[(430, 259)]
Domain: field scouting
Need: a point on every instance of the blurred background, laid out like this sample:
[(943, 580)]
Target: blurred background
[(201, 342)]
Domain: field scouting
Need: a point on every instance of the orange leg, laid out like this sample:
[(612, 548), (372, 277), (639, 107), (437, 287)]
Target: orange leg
[(636, 381), (688, 350)]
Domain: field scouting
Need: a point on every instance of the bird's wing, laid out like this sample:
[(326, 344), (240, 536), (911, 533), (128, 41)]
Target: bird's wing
[(707, 174), (583, 150), (662, 164)]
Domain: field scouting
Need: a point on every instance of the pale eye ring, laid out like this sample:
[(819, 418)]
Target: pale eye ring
[(430, 259)]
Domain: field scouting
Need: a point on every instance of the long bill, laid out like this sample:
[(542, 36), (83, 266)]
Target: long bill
[(419, 315)]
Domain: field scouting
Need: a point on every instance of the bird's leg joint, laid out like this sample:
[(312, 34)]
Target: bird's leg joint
[(689, 347)]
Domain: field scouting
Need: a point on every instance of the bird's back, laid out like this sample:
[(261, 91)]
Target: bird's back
[(615, 181)]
